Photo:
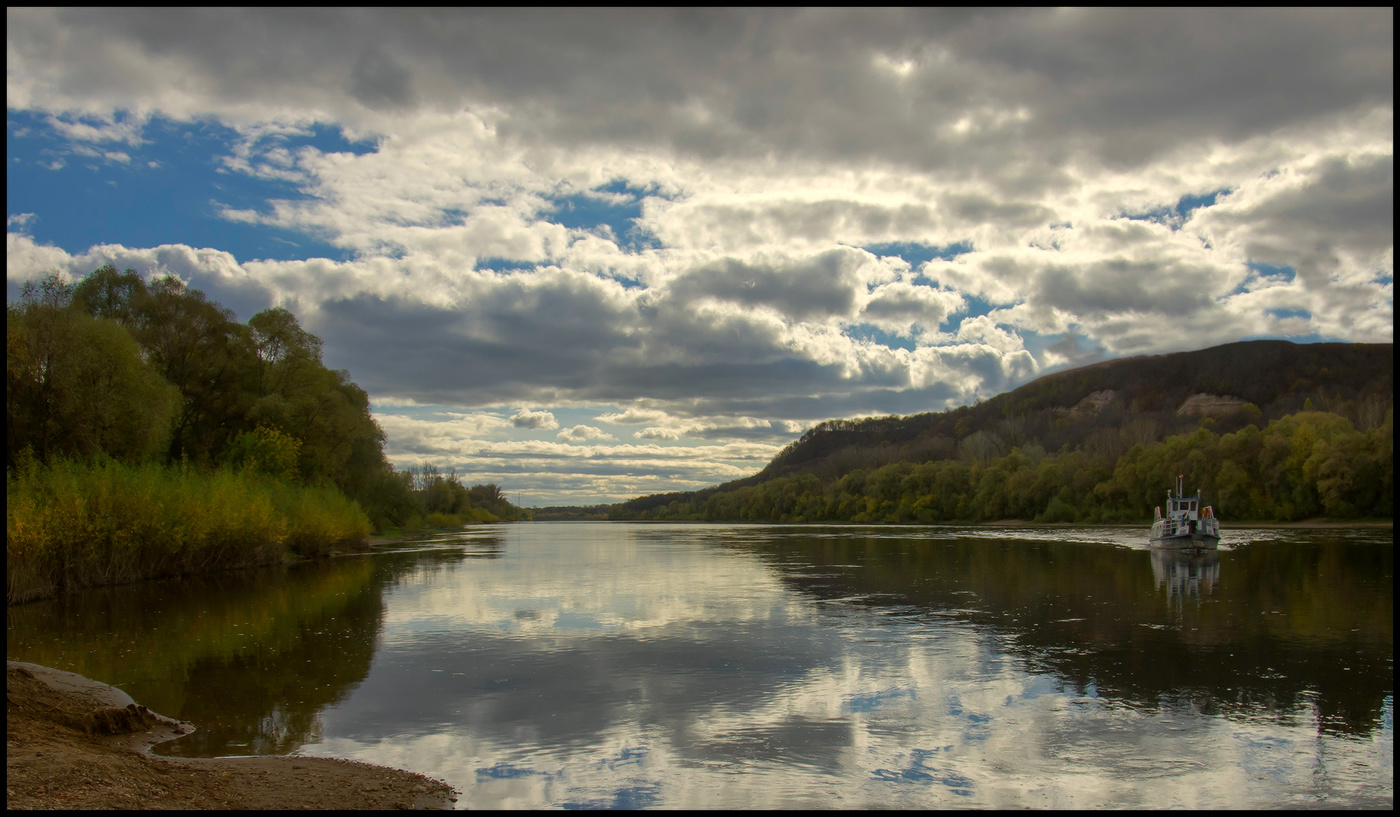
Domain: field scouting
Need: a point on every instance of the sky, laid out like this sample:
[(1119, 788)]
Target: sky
[(590, 255)]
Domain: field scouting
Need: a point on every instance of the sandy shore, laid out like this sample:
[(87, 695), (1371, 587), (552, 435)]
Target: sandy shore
[(71, 742)]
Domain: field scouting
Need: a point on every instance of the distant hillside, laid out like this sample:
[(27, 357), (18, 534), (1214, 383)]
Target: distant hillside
[(1105, 408)]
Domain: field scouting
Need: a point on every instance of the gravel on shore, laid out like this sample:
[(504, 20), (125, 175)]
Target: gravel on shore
[(71, 742)]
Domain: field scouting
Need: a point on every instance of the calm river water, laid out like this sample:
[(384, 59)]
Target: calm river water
[(715, 666)]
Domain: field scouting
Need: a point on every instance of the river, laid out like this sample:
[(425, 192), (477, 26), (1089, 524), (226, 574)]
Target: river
[(618, 665)]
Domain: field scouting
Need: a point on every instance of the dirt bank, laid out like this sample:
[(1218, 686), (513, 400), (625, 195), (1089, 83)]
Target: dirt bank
[(73, 743)]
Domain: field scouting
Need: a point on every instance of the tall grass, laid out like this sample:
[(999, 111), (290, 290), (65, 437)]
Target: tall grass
[(447, 521), (72, 524)]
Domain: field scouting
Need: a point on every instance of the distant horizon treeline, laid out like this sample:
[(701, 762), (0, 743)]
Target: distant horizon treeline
[(1303, 465), (116, 384)]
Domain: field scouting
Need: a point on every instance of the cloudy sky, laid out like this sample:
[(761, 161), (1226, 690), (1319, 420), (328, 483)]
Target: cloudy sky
[(595, 254)]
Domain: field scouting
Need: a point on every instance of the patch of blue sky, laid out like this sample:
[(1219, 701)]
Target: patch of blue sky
[(917, 253), (456, 215), (976, 308), (1188, 203), (505, 264), (582, 211), (1285, 313), (625, 188), (1037, 343), (1270, 272), (874, 334), (170, 189), (1273, 271), (616, 205), (1177, 214)]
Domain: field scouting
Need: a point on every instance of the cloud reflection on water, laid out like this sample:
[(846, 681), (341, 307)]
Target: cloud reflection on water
[(607, 665)]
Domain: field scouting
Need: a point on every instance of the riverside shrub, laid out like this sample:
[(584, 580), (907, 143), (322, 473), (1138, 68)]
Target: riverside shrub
[(72, 524)]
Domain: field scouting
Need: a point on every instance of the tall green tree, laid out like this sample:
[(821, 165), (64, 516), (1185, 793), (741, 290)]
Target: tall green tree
[(76, 386), (203, 351)]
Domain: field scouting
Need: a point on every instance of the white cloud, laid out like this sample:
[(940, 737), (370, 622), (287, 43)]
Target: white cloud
[(525, 418), (581, 433), (444, 434), (905, 309), (105, 127), (632, 416), (1071, 156)]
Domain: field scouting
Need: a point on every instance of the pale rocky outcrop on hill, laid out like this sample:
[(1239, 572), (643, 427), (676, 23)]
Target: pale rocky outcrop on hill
[(1093, 404), (1208, 404)]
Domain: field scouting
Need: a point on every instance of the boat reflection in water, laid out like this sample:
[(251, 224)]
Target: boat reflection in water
[(1186, 573)]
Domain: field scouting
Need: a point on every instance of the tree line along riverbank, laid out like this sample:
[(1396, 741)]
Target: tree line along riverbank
[(149, 434), (1302, 466), (1270, 430)]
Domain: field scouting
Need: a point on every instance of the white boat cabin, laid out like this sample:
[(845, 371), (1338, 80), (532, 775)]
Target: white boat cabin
[(1186, 518)]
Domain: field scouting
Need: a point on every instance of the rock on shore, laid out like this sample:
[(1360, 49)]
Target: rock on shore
[(71, 742)]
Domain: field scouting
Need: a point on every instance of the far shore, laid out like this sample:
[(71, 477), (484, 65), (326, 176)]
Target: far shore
[(1225, 523), (1000, 523)]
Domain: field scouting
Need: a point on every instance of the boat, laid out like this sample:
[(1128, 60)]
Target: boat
[(1187, 525)]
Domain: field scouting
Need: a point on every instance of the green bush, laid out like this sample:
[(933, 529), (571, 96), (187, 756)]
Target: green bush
[(443, 520), (74, 524)]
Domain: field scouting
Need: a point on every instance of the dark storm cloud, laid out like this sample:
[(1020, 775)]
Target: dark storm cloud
[(902, 305), (496, 350), (986, 209), (379, 82), (1116, 85), (821, 286), (1138, 81), (1347, 203), (503, 349), (1118, 286), (489, 352)]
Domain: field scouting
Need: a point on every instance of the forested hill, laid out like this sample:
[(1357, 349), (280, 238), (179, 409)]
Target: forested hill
[(1277, 376), (1100, 411)]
